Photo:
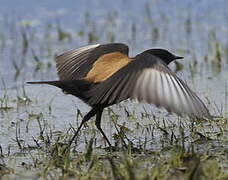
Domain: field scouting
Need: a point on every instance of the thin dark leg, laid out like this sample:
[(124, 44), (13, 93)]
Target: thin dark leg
[(90, 114), (98, 124)]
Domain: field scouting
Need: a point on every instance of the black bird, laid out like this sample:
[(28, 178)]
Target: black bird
[(103, 75)]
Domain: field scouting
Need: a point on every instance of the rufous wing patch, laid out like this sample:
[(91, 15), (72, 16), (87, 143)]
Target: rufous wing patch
[(106, 66)]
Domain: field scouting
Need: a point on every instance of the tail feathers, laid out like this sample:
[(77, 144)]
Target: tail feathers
[(75, 87), (43, 82)]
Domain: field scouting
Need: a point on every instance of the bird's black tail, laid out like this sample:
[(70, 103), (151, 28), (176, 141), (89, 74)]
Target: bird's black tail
[(44, 82), (75, 87)]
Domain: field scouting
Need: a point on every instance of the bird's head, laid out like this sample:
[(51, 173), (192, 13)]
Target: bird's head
[(163, 54)]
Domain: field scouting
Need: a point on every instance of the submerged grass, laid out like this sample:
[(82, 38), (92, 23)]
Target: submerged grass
[(145, 147), (183, 150), (174, 163)]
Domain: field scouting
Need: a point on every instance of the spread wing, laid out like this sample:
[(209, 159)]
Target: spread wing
[(148, 79), (75, 64)]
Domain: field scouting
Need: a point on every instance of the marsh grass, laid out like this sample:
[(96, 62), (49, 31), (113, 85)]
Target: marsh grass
[(173, 163), (147, 143), (185, 150), (4, 99)]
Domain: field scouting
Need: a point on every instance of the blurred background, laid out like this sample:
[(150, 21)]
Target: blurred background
[(33, 32)]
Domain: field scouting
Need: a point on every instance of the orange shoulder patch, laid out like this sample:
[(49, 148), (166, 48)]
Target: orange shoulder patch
[(106, 66)]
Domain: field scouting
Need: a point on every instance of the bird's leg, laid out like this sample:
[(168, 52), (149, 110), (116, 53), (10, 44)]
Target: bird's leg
[(98, 124), (90, 114)]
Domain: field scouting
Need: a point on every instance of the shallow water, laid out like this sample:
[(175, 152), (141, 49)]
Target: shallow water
[(29, 39)]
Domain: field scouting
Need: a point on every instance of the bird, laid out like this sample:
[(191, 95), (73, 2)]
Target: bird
[(103, 74)]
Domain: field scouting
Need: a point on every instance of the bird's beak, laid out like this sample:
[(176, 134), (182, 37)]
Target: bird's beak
[(179, 57)]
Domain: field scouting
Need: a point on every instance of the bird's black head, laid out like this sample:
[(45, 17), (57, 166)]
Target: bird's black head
[(163, 54)]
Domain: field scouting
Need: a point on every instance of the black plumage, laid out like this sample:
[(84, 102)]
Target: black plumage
[(102, 75)]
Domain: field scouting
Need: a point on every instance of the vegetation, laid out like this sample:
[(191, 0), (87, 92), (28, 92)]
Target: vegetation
[(148, 143)]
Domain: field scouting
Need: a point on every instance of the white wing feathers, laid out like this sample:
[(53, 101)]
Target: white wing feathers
[(70, 62), (72, 53), (164, 89)]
